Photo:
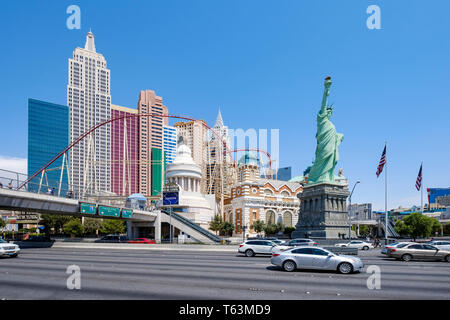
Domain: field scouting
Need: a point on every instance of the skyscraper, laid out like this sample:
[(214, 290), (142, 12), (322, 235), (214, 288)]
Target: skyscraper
[(195, 134), (89, 101), (218, 158), (169, 143), (48, 134), (151, 142), (124, 151)]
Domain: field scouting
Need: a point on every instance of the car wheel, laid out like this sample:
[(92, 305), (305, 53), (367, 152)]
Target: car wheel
[(14, 255), (447, 258), (406, 257), (249, 253), (345, 268), (289, 266), (365, 248)]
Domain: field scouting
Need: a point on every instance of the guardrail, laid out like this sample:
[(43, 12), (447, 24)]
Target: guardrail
[(343, 250)]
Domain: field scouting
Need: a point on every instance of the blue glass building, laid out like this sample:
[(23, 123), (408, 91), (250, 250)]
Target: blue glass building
[(48, 134)]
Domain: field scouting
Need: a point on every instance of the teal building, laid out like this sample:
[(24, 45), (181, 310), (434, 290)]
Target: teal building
[(48, 134)]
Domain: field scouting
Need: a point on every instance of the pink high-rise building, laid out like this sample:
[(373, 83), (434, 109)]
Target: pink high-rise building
[(151, 159), (124, 152)]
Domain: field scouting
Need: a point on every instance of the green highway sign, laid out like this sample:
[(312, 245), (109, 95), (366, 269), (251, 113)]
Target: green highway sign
[(108, 211), (127, 213), (87, 208)]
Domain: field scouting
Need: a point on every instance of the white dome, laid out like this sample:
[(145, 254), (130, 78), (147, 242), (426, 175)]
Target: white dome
[(183, 165)]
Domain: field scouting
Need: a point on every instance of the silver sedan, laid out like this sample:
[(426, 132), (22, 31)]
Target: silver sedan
[(315, 258)]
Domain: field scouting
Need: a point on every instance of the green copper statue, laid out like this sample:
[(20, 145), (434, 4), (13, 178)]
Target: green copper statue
[(328, 141)]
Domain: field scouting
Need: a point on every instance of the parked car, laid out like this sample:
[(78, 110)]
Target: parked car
[(296, 243), (275, 240), (253, 247), (8, 249), (356, 244), (417, 251), (308, 257), (112, 238), (440, 244), (142, 240), (392, 245)]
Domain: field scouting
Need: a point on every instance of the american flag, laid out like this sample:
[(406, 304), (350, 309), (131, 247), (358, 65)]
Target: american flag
[(382, 162), (419, 179)]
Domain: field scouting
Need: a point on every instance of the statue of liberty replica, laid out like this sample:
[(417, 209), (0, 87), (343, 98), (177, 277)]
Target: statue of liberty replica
[(323, 209)]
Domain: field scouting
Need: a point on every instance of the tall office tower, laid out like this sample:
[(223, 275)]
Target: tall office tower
[(195, 135), (89, 101), (218, 158), (151, 164), (169, 143), (48, 134), (124, 151)]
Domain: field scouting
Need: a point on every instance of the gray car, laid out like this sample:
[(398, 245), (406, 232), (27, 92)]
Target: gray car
[(315, 258)]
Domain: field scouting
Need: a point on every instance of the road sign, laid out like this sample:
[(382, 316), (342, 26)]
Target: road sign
[(127, 213), (170, 198), (108, 211), (87, 208)]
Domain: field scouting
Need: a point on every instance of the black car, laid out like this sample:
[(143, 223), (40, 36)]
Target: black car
[(112, 238)]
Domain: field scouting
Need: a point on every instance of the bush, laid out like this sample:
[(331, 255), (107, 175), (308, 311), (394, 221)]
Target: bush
[(74, 228), (113, 226), (226, 228), (258, 226), (417, 225), (289, 230)]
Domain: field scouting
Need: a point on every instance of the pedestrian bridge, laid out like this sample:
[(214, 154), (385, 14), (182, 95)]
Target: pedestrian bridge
[(24, 201)]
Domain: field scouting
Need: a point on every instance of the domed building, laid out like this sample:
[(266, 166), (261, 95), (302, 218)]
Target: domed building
[(184, 172), (254, 198)]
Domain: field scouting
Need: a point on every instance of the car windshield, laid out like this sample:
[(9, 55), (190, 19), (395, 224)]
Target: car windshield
[(401, 245), (2, 241)]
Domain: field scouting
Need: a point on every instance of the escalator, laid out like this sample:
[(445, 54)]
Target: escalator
[(390, 226), (198, 233)]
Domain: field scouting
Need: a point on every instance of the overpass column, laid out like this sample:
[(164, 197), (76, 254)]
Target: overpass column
[(157, 224)]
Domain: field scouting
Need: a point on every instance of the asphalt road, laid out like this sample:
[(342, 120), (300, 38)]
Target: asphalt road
[(136, 274)]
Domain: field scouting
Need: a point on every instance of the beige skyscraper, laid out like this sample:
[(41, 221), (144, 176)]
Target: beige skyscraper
[(151, 155), (195, 135), (89, 101)]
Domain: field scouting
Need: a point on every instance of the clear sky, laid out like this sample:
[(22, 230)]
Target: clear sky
[(263, 62)]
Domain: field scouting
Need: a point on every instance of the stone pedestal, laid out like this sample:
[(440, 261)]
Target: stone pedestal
[(323, 211)]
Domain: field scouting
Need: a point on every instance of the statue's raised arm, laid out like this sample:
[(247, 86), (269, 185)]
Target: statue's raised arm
[(326, 93)]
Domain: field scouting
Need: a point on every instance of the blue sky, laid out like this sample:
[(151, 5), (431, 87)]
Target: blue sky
[(264, 63)]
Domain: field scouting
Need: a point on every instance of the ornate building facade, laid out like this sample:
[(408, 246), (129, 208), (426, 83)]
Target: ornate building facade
[(253, 198)]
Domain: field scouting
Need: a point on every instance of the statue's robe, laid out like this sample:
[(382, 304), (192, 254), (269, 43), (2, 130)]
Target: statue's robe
[(328, 141)]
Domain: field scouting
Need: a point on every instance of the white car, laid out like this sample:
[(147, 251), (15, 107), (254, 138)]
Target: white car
[(440, 244), (315, 258), (362, 245), (252, 247), (8, 249)]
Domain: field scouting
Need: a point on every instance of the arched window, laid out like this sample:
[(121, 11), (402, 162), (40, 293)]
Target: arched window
[(270, 217), (268, 192), (285, 193), (287, 219)]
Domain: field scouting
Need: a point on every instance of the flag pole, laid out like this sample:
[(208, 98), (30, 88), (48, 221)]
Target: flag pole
[(385, 199), (421, 187)]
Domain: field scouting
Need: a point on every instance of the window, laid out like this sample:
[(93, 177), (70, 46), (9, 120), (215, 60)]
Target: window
[(428, 247), (319, 252), (415, 246), (302, 251)]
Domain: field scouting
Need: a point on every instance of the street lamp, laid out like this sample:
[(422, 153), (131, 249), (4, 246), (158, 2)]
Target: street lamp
[(349, 211)]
